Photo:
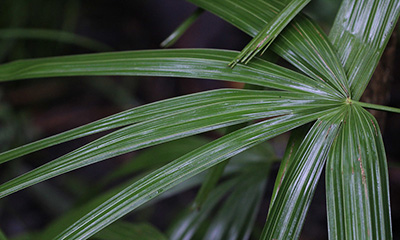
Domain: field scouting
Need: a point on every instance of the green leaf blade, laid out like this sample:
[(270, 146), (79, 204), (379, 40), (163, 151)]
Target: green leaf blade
[(163, 129), (302, 43), (357, 181), (288, 210), (265, 37), (360, 33), (193, 63), (296, 138), (179, 31), (135, 115), (180, 170)]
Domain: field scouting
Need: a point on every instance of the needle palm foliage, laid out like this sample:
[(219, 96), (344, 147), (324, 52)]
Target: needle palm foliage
[(333, 71)]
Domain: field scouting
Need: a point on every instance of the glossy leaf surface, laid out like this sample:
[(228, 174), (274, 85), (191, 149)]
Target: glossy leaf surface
[(357, 181), (181, 169), (360, 33), (266, 36), (286, 214), (302, 43), (162, 129), (296, 138), (194, 63), (141, 114)]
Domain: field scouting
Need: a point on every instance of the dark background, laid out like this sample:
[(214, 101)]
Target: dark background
[(33, 109)]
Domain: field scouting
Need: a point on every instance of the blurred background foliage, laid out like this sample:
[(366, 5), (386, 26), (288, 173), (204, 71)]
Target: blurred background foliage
[(32, 110)]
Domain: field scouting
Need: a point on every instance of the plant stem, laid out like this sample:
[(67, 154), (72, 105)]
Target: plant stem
[(377, 107)]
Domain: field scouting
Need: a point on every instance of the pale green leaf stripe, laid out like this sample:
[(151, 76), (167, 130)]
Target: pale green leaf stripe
[(53, 35), (126, 230), (182, 169), (193, 63), (357, 178), (267, 35), (145, 113), (302, 43), (360, 34), (159, 130), (287, 213)]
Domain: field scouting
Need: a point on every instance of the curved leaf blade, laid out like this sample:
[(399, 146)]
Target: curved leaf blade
[(357, 181), (141, 114), (360, 33), (179, 31), (266, 36), (236, 216), (287, 213), (160, 130), (302, 42), (186, 227), (296, 138), (182, 169), (193, 63)]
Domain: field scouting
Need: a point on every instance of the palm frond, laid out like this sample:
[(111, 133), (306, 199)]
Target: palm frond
[(302, 43), (194, 63), (267, 35), (357, 181), (360, 34), (163, 129), (183, 168), (296, 138), (139, 114), (288, 210)]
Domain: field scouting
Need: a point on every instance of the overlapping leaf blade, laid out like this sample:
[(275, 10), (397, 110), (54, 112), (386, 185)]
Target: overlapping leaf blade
[(140, 114), (302, 43), (266, 36), (357, 181), (287, 213), (184, 168), (232, 218), (236, 217), (190, 223), (163, 129), (360, 33)]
